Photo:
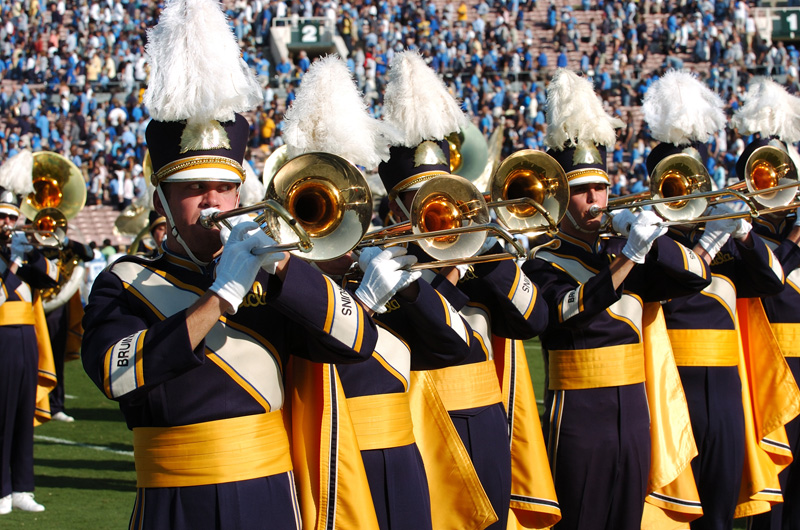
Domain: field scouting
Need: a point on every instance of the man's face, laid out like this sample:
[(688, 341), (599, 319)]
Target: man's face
[(584, 197), (159, 233), (7, 222), (186, 201)]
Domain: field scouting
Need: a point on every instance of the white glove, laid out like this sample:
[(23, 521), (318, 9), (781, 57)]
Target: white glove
[(737, 228), (385, 276), (715, 236), (224, 231), (366, 256), (643, 232), (797, 218), (462, 270), (622, 220), (19, 247), (238, 265)]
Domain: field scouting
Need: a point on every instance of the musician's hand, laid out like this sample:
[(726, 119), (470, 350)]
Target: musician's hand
[(19, 247), (737, 228), (224, 231), (385, 276), (643, 232), (366, 255), (238, 265), (622, 220)]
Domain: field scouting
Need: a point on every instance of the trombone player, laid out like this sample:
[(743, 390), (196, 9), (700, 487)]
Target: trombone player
[(597, 418), (779, 227), (193, 344), (23, 269), (498, 302), (703, 327)]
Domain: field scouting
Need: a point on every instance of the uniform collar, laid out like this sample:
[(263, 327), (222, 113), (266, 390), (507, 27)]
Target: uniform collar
[(183, 261)]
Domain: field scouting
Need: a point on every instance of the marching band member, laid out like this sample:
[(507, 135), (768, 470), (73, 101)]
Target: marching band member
[(773, 114), (157, 228), (417, 330), (496, 299), (703, 327), (64, 317), (598, 422), (26, 363), (193, 344)]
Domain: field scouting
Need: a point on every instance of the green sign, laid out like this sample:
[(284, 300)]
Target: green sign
[(308, 32), (786, 23)]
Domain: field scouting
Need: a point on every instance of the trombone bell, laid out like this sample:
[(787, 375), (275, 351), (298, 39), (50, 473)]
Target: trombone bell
[(49, 227), (529, 174), (316, 205), (448, 202), (328, 197), (767, 167), (679, 176)]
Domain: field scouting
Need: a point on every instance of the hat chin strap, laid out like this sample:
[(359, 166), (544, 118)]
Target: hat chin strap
[(174, 229), (402, 207), (576, 226)]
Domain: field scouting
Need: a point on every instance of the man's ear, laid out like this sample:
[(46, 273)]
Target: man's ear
[(157, 206)]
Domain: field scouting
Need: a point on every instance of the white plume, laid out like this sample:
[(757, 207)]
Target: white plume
[(680, 109), (770, 111), (252, 190), (575, 113), (418, 103), (16, 173), (329, 115), (196, 70)]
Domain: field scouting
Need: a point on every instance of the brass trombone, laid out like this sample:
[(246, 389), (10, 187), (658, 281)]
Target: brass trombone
[(450, 218), (317, 205), (680, 188), (47, 229), (680, 191)]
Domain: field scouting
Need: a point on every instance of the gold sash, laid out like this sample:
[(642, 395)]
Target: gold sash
[(705, 347), (381, 421), (596, 367), (16, 314), (213, 452), (788, 336), (467, 386)]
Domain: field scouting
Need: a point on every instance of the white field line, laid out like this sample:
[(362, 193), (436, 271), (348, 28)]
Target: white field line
[(85, 446)]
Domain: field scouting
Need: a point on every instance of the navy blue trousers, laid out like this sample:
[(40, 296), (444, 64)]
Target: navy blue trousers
[(786, 516), (714, 396), (262, 503), (598, 442), (399, 487), (484, 432), (19, 359), (57, 328)]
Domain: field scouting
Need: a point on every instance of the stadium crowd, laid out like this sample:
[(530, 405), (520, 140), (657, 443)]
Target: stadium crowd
[(74, 71)]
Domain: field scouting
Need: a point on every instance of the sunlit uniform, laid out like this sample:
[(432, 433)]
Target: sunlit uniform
[(209, 436), (597, 423), (424, 334), (496, 299), (705, 342), (21, 368), (783, 312)]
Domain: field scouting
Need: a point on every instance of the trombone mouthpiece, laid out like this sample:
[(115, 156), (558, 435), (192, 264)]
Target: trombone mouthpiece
[(208, 221), (595, 210)]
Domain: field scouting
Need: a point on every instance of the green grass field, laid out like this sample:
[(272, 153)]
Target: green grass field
[(84, 470)]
